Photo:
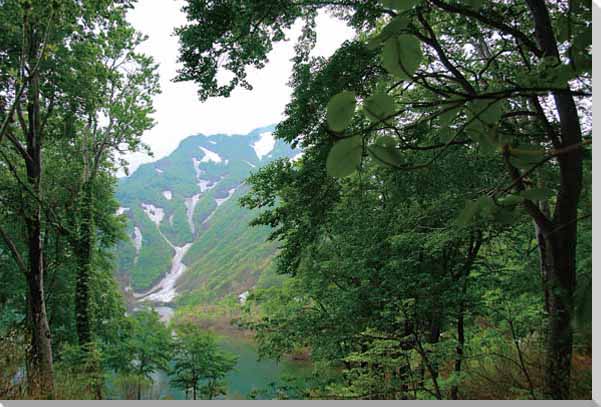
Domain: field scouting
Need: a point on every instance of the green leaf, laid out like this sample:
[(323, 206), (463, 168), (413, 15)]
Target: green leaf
[(504, 138), (528, 153), (480, 207), (486, 205), (385, 156), (340, 110), (537, 194), (484, 118), (587, 155), (386, 141), (344, 157), (487, 111), (468, 213), (448, 115), (379, 107), (374, 42), (394, 27), (400, 5), (510, 200), (401, 56), (484, 136)]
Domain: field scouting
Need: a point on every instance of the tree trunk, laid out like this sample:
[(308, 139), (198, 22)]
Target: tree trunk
[(84, 250), (41, 378), (459, 349), (41, 374), (559, 263), (558, 239), (472, 254)]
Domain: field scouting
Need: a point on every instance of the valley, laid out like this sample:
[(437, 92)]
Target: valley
[(183, 217)]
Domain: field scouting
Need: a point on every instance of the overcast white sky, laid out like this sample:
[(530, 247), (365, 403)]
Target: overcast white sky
[(178, 110)]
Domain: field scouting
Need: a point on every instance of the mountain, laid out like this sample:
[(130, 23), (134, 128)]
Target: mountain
[(188, 234)]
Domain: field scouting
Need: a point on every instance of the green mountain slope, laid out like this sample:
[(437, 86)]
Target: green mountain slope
[(185, 222)]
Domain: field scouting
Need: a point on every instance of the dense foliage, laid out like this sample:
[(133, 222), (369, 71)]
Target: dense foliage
[(413, 229)]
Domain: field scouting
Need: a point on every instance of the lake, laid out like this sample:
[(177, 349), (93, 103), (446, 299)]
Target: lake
[(249, 374)]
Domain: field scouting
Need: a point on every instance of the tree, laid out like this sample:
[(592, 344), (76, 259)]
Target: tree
[(198, 364), (443, 76), (145, 349), (63, 72), (352, 276), (37, 38), (113, 114)]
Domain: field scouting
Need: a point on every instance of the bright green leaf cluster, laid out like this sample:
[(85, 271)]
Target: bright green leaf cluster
[(345, 157), (379, 107), (340, 110), (401, 56)]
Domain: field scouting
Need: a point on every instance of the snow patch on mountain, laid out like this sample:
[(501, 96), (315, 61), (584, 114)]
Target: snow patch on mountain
[(206, 185), (121, 211), (165, 291), (243, 297), (196, 164), (210, 156), (190, 206), (168, 195), (221, 201), (264, 145), (158, 170), (137, 242), (155, 214)]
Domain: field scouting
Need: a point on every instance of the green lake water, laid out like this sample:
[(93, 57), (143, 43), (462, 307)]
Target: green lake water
[(248, 375)]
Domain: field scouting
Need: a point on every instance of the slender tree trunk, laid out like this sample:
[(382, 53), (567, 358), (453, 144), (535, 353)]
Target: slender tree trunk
[(84, 251), (459, 349), (41, 348), (542, 257), (41, 372), (472, 254)]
